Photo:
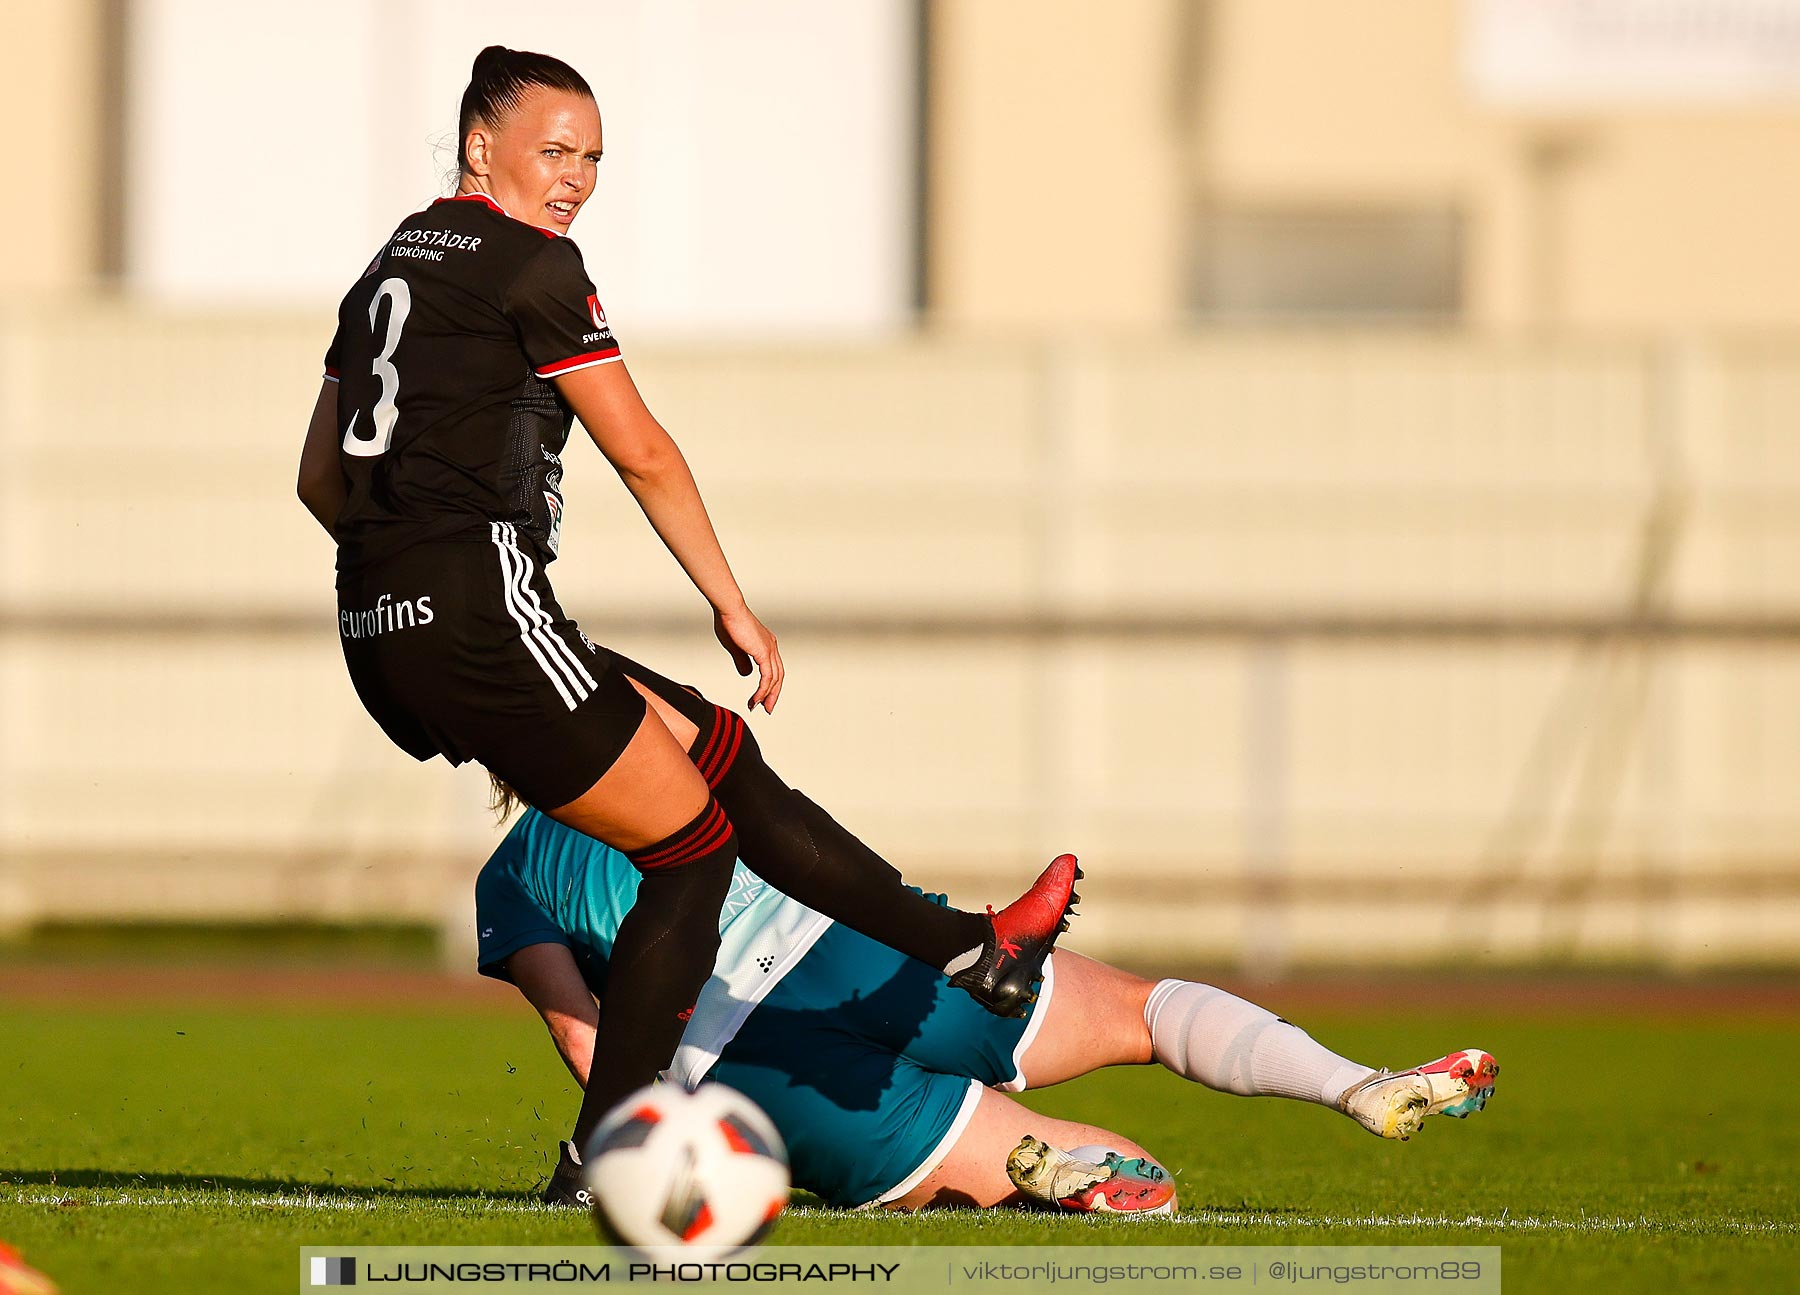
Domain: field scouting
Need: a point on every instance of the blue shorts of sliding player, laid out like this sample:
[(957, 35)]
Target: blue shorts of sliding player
[(869, 1063)]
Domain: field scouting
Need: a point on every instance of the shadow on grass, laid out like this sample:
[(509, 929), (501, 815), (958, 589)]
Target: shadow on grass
[(103, 1179)]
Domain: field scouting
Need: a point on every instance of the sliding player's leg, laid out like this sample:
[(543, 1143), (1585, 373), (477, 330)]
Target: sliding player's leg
[(1100, 1016), (1008, 1155), (798, 848), (1227, 1043), (1092, 1016)]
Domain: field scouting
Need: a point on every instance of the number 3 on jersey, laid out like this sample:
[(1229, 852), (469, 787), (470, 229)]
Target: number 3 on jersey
[(399, 299)]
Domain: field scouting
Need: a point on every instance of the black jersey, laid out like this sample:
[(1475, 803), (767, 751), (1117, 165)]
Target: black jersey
[(447, 420)]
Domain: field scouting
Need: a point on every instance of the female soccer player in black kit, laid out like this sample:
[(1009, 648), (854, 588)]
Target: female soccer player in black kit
[(461, 357)]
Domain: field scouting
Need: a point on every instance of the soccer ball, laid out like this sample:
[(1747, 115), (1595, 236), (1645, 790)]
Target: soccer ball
[(705, 1171)]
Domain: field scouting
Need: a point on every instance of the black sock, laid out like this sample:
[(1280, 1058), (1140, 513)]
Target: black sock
[(793, 844), (661, 958), (802, 851)]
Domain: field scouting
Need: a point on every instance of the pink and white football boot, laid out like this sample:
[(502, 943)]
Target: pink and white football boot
[(1090, 1180), (1394, 1105)]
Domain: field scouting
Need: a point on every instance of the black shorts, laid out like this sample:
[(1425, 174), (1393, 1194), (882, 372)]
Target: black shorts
[(459, 649)]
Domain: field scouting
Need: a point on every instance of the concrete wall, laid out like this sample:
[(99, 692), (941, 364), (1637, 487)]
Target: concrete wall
[(1055, 175), (1297, 639), (1080, 155), (50, 223), (1082, 160)]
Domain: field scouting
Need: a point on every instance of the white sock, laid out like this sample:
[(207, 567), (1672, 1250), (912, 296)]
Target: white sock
[(1217, 1039)]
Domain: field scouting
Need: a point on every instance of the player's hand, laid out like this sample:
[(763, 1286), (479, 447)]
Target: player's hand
[(750, 642)]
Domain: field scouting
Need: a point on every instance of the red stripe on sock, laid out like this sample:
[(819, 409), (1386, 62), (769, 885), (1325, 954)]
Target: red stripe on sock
[(702, 849), (669, 850), (724, 763), (721, 737), (713, 739), (702, 845)]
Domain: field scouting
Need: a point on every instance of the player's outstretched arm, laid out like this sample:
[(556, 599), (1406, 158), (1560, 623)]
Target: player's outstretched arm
[(321, 485), (548, 977), (652, 467)]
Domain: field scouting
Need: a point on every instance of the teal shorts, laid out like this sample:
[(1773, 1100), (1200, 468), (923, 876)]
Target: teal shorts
[(870, 1065)]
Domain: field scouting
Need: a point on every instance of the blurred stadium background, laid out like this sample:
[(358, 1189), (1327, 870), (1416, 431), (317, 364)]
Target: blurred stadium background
[(1336, 467)]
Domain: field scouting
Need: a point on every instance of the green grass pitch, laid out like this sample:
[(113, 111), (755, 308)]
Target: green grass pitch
[(161, 1148)]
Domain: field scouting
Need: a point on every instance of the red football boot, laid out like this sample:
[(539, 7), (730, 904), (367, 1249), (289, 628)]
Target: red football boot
[(1004, 979)]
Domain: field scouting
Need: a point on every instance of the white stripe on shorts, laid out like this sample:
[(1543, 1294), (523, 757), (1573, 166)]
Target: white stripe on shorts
[(516, 609), (1039, 1010), (534, 608)]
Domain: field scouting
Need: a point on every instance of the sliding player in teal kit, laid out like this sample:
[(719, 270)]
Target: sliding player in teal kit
[(889, 1087)]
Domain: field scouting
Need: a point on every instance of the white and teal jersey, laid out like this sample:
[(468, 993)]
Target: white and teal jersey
[(549, 884)]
